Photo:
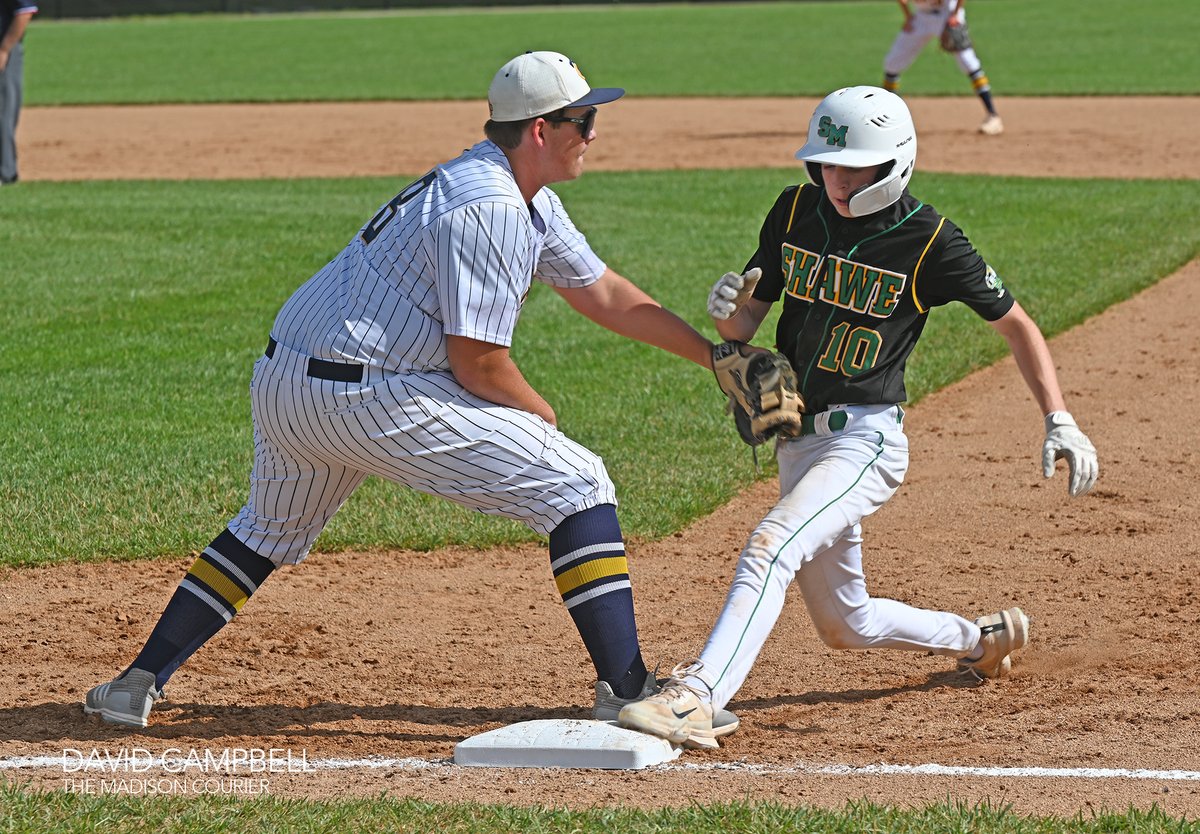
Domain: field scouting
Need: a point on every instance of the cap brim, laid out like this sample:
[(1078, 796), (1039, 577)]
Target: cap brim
[(600, 95)]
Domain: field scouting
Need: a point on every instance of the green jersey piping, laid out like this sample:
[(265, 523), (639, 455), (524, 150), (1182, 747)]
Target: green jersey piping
[(775, 558), (833, 311)]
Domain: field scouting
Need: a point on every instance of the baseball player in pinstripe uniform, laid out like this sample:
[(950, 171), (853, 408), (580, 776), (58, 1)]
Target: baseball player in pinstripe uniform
[(859, 263), (393, 360)]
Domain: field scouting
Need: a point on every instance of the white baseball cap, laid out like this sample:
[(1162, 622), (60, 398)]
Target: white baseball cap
[(538, 83)]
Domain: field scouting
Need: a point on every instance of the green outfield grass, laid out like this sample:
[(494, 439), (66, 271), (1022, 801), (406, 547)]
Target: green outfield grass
[(1029, 47), (63, 813), (135, 310)]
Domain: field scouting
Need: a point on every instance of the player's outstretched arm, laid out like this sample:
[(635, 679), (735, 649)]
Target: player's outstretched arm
[(1032, 354), (615, 303), (1063, 437)]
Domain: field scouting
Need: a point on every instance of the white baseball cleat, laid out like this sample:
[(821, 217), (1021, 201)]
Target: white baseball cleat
[(608, 706), (992, 126), (676, 712), (1002, 634), (126, 700)]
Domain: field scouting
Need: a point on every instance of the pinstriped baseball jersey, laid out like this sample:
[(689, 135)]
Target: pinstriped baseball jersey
[(453, 254), (356, 380)]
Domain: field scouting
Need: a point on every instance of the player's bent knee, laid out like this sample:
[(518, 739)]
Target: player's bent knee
[(565, 480), (765, 549), (758, 556), (841, 637), (839, 626)]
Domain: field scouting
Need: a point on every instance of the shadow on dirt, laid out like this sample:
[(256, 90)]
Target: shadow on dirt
[(952, 679), (53, 722)]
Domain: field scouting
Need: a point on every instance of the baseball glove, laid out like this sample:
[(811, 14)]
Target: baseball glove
[(764, 396), (955, 38)]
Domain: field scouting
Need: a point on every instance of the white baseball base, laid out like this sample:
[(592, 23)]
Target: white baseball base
[(564, 743)]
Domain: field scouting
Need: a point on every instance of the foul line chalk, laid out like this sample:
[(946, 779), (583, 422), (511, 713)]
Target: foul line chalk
[(947, 770), (381, 763)]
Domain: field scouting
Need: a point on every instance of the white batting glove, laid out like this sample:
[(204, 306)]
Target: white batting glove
[(1065, 440), (730, 292)]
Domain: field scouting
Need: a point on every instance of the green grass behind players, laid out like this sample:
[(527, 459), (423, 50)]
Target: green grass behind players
[(134, 311), (1028, 47)]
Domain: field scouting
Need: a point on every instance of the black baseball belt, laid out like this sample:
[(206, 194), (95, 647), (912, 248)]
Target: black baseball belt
[(323, 368)]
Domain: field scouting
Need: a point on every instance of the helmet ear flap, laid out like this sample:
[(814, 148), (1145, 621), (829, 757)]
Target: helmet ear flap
[(886, 190), (814, 173)]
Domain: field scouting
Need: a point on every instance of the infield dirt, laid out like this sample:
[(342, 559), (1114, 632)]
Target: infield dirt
[(1045, 137), (403, 654)]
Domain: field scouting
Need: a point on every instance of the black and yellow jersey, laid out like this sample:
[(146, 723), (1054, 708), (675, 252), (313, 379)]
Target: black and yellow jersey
[(856, 291)]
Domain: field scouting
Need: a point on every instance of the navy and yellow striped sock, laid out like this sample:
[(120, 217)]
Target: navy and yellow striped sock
[(213, 591), (587, 556), (983, 89)]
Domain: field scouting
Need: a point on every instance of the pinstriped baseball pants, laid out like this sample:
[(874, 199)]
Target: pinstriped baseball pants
[(828, 484), (316, 440)]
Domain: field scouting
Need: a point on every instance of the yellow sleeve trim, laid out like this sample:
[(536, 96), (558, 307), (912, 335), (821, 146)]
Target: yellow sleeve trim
[(920, 261), (795, 200)]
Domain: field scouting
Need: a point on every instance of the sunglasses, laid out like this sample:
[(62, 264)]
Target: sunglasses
[(586, 122)]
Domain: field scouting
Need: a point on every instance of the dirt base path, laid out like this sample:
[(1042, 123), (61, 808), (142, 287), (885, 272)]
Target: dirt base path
[(1087, 137), (401, 655)]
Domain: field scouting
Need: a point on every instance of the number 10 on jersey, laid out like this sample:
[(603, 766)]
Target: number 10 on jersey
[(850, 352)]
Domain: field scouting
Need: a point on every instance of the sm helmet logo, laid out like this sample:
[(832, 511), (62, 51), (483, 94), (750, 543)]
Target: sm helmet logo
[(831, 133)]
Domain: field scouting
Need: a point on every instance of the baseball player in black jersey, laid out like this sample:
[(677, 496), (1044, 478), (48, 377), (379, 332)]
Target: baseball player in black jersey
[(859, 263)]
